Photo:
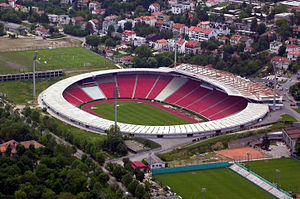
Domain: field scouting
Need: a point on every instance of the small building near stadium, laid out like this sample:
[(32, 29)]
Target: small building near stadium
[(290, 137)]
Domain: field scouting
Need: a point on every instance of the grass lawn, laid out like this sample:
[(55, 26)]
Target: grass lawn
[(287, 118), (219, 183), (20, 92), (297, 110), (138, 113), (73, 58), (289, 172)]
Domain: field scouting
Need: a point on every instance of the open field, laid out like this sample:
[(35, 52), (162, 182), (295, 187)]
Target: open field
[(219, 183), (20, 92), (72, 60), (35, 42), (49, 59), (138, 113), (289, 172)]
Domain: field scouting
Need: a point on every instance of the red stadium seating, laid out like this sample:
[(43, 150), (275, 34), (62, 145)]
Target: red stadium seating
[(144, 85), (194, 96), (187, 88), (79, 94), (159, 86), (212, 104), (108, 89), (71, 99), (126, 85)]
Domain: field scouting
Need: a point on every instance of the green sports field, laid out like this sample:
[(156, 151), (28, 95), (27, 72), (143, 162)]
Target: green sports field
[(219, 184), (289, 172), (73, 58), (138, 113)]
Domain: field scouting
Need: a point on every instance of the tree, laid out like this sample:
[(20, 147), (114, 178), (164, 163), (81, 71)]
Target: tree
[(110, 30), (110, 42), (2, 32), (92, 40), (20, 194), (253, 25), (283, 28), (128, 25), (143, 52), (261, 28), (118, 171), (127, 179), (297, 147), (48, 194), (132, 186), (103, 178), (139, 191), (100, 157), (281, 50), (139, 175)]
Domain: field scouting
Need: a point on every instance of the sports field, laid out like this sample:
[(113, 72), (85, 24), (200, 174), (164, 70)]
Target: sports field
[(138, 113), (72, 58), (219, 183), (289, 172)]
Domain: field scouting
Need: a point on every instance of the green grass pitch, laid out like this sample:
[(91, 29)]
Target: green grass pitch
[(219, 184), (289, 172), (138, 113), (49, 59)]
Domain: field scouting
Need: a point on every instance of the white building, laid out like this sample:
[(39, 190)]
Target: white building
[(128, 36), (274, 46), (293, 55), (155, 162), (138, 41), (53, 18), (154, 7)]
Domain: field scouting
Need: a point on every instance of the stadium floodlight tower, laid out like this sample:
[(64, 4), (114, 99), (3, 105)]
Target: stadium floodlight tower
[(116, 95), (275, 81), (33, 74)]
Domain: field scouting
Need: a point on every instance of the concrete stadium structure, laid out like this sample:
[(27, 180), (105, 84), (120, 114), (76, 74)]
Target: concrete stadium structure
[(63, 98)]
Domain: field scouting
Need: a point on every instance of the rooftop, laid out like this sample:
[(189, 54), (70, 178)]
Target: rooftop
[(293, 132)]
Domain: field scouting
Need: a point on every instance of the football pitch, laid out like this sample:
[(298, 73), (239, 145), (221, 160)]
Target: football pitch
[(138, 113), (219, 183), (289, 178), (70, 58)]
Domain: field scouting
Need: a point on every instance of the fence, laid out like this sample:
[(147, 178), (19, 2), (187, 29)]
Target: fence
[(191, 168)]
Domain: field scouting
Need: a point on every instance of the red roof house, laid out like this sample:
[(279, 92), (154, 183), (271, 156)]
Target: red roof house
[(138, 164)]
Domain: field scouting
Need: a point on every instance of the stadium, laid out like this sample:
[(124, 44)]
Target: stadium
[(225, 102)]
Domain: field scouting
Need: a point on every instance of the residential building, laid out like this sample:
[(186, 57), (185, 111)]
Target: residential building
[(138, 41), (53, 18), (161, 45), (178, 28), (154, 7), (292, 47), (192, 47), (128, 36), (43, 32), (100, 11), (138, 164), (13, 145), (199, 34), (109, 21), (274, 46), (95, 24), (150, 20), (63, 20), (287, 16), (126, 60), (248, 49), (235, 39), (12, 3), (94, 5), (281, 62), (293, 55), (180, 8), (15, 28)]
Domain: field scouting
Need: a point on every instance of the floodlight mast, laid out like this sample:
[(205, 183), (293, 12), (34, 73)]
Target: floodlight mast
[(33, 74), (116, 94)]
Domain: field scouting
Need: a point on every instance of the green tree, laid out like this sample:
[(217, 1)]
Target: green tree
[(139, 175), (139, 191), (128, 25), (132, 186), (103, 178), (281, 50), (143, 52), (92, 40), (100, 157), (118, 171), (283, 28), (48, 194), (20, 194), (127, 179)]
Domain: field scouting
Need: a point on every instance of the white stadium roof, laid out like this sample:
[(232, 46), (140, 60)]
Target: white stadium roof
[(53, 99)]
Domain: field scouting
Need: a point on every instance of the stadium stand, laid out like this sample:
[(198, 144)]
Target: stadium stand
[(126, 85), (71, 99), (144, 85), (172, 87), (161, 83), (94, 92), (79, 94), (185, 90)]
